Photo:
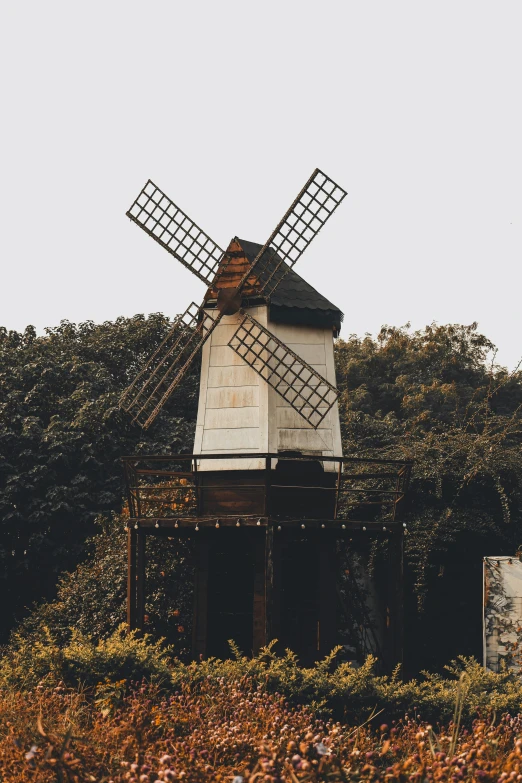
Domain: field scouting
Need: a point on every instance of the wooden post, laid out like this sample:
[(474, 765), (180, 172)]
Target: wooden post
[(131, 579), (140, 580), (269, 583), (259, 614), (327, 620), (268, 482), (395, 601), (277, 583), (199, 625)]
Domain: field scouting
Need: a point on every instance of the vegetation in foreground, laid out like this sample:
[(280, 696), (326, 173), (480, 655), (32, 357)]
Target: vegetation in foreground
[(122, 709), (249, 721)]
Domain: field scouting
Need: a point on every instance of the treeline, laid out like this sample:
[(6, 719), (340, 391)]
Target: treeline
[(434, 396), (61, 439)]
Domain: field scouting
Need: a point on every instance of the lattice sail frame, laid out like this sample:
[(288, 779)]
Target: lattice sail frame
[(164, 221), (168, 225), (168, 364), (313, 206), (311, 395)]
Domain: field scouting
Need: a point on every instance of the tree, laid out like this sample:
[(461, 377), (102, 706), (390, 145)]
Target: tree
[(61, 439), (436, 396)]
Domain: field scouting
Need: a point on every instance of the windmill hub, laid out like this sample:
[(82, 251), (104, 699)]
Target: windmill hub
[(229, 301)]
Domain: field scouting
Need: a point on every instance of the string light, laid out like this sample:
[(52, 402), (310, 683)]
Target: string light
[(217, 523), (279, 527), (343, 527), (197, 527), (176, 524), (157, 524), (303, 526), (323, 525), (364, 528), (136, 526), (238, 523)]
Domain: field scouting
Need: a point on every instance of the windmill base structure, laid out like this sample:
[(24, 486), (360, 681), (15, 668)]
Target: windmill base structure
[(267, 566), (268, 498)]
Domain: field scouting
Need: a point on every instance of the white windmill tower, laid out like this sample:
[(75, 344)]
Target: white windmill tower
[(267, 370), (268, 399)]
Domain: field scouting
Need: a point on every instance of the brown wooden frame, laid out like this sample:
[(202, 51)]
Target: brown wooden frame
[(375, 482)]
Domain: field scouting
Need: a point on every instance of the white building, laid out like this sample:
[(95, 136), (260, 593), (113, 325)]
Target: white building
[(238, 411)]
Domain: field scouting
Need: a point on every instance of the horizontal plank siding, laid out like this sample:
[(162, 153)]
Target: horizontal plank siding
[(305, 440), (232, 376), (222, 440), (233, 397), (238, 411), (231, 418)]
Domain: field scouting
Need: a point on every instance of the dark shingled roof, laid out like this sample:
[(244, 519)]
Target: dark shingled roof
[(294, 300)]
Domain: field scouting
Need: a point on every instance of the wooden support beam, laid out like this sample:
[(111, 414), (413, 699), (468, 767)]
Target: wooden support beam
[(140, 580), (131, 579), (394, 631), (259, 608), (200, 621), (269, 583), (327, 621)]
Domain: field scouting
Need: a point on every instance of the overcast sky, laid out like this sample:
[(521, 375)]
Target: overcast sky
[(414, 107)]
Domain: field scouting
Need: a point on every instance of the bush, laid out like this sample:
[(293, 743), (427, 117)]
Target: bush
[(348, 693), (333, 690), (92, 598), (29, 662), (62, 435), (209, 731)]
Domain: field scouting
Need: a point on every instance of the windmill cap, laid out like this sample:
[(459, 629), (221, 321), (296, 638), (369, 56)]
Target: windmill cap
[(295, 301)]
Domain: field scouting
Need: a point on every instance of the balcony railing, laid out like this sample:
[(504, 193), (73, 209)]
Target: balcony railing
[(294, 489)]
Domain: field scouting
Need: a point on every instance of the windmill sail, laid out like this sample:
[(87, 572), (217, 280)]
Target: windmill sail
[(311, 395), (165, 222), (168, 365), (298, 383), (313, 206)]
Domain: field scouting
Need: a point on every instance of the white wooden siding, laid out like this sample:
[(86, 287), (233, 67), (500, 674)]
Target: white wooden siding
[(239, 412), (231, 418), (233, 397), (232, 407)]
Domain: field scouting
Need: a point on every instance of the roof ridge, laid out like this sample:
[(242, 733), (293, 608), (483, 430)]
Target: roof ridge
[(298, 282)]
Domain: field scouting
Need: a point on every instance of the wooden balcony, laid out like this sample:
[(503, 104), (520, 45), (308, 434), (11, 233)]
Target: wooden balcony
[(293, 490)]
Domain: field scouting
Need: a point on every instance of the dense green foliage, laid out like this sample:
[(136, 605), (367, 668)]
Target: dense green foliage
[(61, 439), (330, 688), (91, 599), (217, 722), (437, 397), (434, 396)]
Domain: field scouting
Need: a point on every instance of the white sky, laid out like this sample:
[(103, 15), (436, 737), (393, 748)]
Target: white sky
[(414, 107)]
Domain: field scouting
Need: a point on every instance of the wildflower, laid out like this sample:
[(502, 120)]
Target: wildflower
[(31, 754)]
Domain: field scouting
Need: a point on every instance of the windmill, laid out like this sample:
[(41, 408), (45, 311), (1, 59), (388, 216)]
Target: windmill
[(267, 458), (233, 282)]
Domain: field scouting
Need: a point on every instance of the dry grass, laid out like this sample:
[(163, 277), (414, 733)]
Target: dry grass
[(217, 731)]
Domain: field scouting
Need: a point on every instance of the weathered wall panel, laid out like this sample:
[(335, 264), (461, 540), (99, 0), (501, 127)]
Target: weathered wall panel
[(502, 612), (239, 411)]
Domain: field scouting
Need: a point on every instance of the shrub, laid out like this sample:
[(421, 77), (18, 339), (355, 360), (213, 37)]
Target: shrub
[(350, 693), (92, 598), (211, 731), (333, 690), (83, 661)]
